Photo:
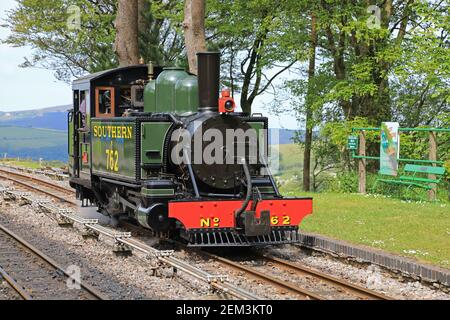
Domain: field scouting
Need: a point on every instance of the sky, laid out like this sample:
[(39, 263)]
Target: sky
[(35, 88), (30, 88)]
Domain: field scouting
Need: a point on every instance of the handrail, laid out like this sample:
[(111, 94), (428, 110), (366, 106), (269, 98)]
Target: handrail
[(354, 156), (405, 129)]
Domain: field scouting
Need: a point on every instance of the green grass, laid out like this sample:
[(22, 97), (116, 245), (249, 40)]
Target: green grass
[(22, 163), (417, 230), (291, 157), (15, 138), (290, 165), (30, 164)]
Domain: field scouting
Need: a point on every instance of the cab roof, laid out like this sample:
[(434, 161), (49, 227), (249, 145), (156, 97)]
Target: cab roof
[(111, 77)]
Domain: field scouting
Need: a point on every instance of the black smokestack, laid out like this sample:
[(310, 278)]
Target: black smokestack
[(208, 80)]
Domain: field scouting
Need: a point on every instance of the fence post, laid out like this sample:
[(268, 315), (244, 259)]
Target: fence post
[(432, 157), (362, 162)]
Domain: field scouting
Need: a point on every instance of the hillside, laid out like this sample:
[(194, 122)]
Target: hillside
[(47, 118), (21, 134), (33, 143)]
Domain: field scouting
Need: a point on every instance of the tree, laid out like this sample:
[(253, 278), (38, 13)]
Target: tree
[(194, 31), (70, 52), (309, 107), (255, 39), (160, 33), (89, 47), (127, 27)]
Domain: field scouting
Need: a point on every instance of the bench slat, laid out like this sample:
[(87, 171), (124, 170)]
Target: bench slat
[(426, 180), (406, 183), (425, 169)]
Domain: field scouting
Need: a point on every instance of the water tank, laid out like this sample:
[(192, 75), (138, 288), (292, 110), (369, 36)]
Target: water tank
[(165, 88), (186, 95), (150, 97)]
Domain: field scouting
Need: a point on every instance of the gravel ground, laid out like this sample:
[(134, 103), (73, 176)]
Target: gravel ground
[(125, 278), (369, 276), (238, 278), (6, 292), (304, 281), (116, 277)]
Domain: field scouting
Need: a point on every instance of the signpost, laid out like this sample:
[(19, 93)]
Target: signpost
[(352, 143), (389, 148)]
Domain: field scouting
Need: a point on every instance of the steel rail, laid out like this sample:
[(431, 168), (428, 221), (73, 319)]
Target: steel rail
[(214, 281), (270, 279), (93, 292), (14, 285), (223, 286), (349, 287), (52, 173), (39, 181), (38, 189)]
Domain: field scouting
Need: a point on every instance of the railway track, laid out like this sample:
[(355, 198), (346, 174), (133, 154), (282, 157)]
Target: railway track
[(324, 286), (343, 288), (34, 275), (58, 174), (357, 291), (49, 189), (124, 241), (55, 191), (299, 291)]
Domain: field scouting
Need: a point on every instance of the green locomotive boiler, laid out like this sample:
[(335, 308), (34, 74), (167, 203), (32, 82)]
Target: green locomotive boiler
[(137, 137)]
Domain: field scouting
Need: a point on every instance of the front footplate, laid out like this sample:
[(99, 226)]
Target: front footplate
[(229, 238)]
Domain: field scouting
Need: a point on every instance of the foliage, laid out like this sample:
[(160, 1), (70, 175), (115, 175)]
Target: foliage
[(161, 40), (43, 25), (396, 70), (255, 37), (367, 71)]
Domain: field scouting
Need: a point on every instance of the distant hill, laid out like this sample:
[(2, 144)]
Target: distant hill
[(33, 143), (47, 118), (286, 136), (21, 133)]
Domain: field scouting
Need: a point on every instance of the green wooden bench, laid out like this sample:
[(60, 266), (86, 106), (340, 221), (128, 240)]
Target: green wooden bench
[(416, 176)]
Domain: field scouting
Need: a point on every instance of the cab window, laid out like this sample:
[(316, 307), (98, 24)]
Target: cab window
[(105, 104)]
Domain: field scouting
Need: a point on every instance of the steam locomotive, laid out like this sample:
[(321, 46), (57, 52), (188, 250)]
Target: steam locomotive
[(162, 147)]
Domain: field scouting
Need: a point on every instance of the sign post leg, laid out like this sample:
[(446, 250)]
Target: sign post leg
[(432, 157), (362, 162)]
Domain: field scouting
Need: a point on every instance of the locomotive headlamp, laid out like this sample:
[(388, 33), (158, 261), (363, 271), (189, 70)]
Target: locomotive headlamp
[(226, 103), (229, 106)]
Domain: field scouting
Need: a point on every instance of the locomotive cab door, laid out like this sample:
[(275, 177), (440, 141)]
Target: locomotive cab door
[(70, 146), (79, 135), (84, 134), (74, 165)]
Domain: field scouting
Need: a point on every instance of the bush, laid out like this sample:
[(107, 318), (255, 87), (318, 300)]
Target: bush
[(342, 183)]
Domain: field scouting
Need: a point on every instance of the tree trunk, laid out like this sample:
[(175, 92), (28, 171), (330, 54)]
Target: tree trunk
[(194, 30), (309, 110), (127, 43)]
